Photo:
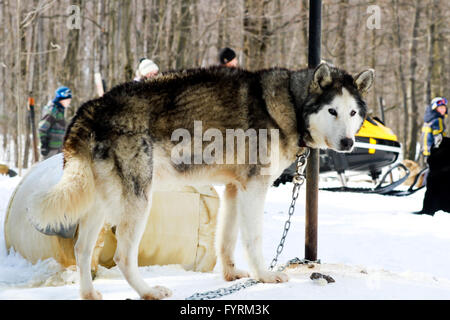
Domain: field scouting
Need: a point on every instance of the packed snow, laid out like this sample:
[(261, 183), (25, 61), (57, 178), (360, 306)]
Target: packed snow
[(371, 245)]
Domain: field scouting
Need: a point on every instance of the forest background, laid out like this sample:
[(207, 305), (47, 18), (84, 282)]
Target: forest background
[(48, 43)]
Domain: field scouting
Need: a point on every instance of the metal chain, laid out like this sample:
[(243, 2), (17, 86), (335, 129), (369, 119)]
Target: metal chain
[(298, 180), (221, 292)]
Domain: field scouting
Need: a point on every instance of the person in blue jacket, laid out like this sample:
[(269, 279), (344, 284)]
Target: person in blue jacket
[(433, 129)]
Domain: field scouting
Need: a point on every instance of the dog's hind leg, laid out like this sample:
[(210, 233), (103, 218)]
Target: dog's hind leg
[(88, 232), (129, 233), (251, 215), (227, 231)]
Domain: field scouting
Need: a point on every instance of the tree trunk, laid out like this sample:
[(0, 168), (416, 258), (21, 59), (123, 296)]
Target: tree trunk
[(223, 30), (413, 67), (126, 38), (30, 76), (70, 67), (3, 109), (402, 76), (18, 85), (103, 40), (304, 30), (256, 33), (113, 33), (182, 52), (431, 53), (342, 35), (173, 35)]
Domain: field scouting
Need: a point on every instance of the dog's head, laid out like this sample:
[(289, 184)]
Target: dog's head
[(334, 110)]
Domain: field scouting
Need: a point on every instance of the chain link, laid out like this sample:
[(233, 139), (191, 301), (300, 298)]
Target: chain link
[(298, 180)]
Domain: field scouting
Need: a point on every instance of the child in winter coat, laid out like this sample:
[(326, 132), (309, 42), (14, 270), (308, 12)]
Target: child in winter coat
[(52, 126), (433, 129)]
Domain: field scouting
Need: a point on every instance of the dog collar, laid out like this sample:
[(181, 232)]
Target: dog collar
[(301, 143)]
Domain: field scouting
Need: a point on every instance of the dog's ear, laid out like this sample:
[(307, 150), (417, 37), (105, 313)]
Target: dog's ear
[(364, 80), (322, 76)]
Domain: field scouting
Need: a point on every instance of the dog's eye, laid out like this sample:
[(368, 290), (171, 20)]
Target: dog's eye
[(333, 112), (352, 114)]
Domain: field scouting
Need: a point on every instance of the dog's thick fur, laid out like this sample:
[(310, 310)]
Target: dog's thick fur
[(119, 146)]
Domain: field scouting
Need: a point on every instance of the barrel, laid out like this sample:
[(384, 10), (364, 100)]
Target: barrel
[(180, 228)]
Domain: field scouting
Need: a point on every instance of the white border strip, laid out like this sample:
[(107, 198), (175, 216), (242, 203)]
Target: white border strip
[(377, 147)]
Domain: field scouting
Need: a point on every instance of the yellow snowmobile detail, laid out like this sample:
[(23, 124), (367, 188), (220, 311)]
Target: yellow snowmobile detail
[(374, 129)]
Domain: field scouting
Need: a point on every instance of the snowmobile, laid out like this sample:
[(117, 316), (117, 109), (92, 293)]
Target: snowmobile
[(376, 147)]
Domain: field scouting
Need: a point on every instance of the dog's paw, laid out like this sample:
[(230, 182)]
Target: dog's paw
[(157, 293), (235, 274), (93, 295), (272, 277)]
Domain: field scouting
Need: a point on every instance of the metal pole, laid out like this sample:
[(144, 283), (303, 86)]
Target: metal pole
[(312, 169)]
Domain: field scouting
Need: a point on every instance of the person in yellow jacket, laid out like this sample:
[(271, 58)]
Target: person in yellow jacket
[(433, 129)]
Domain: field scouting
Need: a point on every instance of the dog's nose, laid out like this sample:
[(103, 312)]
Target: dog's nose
[(346, 144)]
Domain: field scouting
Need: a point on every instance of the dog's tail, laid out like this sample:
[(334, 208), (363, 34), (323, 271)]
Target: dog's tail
[(66, 202)]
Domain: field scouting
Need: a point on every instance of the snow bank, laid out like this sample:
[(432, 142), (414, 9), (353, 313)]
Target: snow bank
[(371, 245)]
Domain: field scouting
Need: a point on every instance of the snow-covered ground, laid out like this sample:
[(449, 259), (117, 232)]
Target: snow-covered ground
[(371, 245)]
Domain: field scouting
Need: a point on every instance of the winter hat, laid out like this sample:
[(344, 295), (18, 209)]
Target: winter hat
[(226, 55), (439, 101), (62, 93), (146, 66)]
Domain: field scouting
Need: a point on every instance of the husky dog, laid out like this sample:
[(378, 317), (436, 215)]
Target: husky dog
[(118, 147)]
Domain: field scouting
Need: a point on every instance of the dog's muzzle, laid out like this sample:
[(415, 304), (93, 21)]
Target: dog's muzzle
[(346, 144)]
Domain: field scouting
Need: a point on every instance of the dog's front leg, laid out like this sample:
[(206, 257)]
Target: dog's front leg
[(251, 215)]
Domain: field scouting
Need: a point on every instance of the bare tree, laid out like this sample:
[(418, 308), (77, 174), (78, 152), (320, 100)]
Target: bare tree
[(413, 67)]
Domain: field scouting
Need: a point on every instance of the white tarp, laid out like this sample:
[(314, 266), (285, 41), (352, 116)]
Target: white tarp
[(180, 229)]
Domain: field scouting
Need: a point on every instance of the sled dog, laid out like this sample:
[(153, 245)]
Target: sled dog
[(118, 147)]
